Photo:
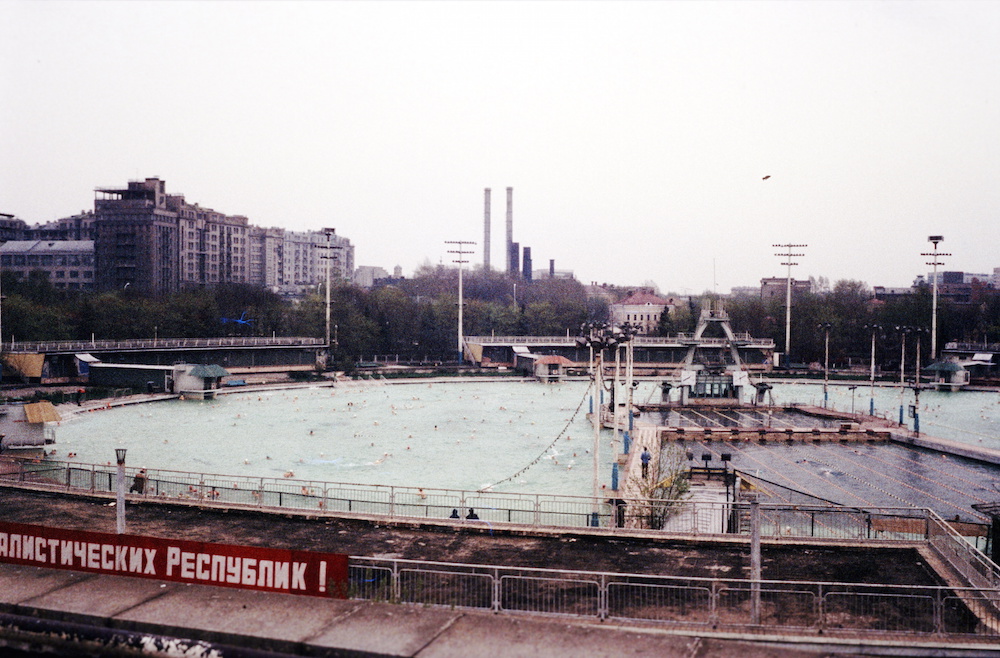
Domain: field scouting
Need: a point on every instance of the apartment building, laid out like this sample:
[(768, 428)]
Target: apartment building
[(157, 242)]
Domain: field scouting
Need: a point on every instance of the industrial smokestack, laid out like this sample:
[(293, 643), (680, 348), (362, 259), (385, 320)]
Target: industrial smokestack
[(513, 259), (486, 233), (526, 268), (511, 264), (552, 268)]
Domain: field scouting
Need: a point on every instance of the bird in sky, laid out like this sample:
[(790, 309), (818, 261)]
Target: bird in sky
[(766, 177)]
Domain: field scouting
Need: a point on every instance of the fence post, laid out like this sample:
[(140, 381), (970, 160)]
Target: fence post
[(755, 561), (602, 598), (497, 590)]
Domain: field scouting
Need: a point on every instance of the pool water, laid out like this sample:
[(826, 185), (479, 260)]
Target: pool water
[(463, 435), (442, 435)]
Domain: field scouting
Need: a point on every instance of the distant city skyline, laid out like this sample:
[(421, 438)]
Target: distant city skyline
[(672, 142)]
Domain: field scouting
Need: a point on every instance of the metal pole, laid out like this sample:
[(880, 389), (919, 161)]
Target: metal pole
[(788, 296), (871, 406), (330, 232), (120, 499), (598, 367), (902, 374), (461, 251), (755, 569), (934, 239)]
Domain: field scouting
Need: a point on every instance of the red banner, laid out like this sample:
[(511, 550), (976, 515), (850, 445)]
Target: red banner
[(245, 567)]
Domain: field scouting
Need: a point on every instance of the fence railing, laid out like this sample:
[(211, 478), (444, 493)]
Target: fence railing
[(722, 604), (613, 514), (717, 602), (161, 343)]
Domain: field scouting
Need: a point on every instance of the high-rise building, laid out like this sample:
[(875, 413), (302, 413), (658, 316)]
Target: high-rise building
[(158, 243)]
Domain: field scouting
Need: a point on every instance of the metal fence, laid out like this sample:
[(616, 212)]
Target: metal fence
[(721, 604), (162, 343), (498, 509)]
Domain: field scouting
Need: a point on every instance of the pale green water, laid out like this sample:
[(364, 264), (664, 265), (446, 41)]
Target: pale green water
[(447, 435)]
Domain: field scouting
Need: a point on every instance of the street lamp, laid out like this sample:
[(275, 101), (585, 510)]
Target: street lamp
[(825, 328), (934, 239), (902, 331), (599, 337), (330, 233), (875, 329), (788, 255), (120, 500), (460, 252)]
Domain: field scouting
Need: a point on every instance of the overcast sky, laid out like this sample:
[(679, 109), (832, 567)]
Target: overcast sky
[(636, 136)]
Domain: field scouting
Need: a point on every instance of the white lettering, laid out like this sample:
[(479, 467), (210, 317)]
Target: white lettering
[(93, 556), (200, 570), (218, 567), (249, 571), (121, 552), (134, 559), (173, 559), (298, 575), (233, 570), (265, 573), (4, 544), (108, 557), (187, 565), (150, 556), (281, 575)]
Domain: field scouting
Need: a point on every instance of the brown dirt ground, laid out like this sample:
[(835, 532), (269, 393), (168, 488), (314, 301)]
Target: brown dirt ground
[(476, 545)]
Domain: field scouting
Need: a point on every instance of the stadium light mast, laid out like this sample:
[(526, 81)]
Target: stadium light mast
[(460, 252), (934, 239), (788, 255)]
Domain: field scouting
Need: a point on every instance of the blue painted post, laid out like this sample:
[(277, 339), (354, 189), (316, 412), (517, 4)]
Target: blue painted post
[(871, 407), (591, 403), (630, 418), (628, 441), (614, 476)]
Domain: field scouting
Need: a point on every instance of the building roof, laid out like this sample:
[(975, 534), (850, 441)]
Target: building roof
[(643, 298), (47, 246), (205, 372)]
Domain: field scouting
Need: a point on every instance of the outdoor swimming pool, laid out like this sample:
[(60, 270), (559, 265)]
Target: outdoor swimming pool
[(448, 435), (463, 435)]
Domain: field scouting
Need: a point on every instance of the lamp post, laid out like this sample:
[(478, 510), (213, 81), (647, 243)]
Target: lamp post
[(934, 239), (330, 233), (902, 331), (120, 500), (825, 328), (599, 337), (460, 252), (875, 328), (788, 255)]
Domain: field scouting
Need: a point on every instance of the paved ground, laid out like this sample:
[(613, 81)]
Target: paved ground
[(467, 543), (82, 608)]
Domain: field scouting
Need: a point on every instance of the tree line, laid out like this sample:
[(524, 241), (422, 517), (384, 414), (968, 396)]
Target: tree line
[(417, 318)]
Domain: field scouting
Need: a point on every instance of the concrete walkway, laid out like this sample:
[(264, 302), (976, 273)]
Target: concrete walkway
[(68, 611)]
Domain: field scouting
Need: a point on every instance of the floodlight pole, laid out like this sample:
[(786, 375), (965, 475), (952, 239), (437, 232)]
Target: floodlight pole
[(788, 294), (329, 232), (871, 405), (461, 252), (934, 239), (825, 326), (120, 499)]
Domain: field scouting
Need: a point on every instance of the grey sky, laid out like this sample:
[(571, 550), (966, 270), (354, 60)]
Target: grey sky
[(635, 135)]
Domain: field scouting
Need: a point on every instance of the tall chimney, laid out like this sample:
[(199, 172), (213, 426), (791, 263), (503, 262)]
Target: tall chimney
[(552, 268), (486, 233), (526, 268), (511, 265)]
